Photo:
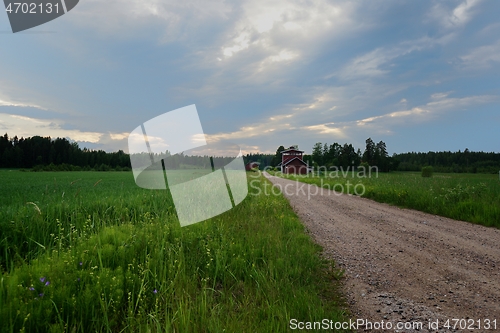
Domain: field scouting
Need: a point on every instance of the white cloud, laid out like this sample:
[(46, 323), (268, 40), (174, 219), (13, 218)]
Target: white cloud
[(440, 95), (12, 95), (462, 13), (490, 30), (254, 130), (269, 36), (375, 63), (278, 25), (416, 114), (23, 126), (291, 118), (125, 18), (440, 102), (368, 64), (482, 57), (20, 104), (328, 128), (389, 122), (26, 127), (118, 136), (456, 17), (247, 149), (321, 104), (447, 103), (16, 94)]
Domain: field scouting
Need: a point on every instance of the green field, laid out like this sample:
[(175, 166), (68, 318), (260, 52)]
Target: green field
[(468, 197), (92, 252)]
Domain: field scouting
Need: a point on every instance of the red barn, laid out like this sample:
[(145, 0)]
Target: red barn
[(292, 161)]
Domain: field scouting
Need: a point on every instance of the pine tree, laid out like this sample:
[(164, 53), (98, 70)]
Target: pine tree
[(369, 154)]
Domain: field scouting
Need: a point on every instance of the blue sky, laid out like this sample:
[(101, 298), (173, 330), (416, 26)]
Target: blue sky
[(419, 75)]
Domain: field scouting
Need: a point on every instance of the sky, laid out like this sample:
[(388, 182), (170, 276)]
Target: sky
[(419, 75)]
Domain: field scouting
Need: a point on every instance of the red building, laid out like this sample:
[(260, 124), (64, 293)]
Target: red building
[(292, 161)]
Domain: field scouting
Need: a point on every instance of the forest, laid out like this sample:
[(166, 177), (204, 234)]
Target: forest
[(337, 155), (375, 154), (57, 155), (446, 161), (60, 154)]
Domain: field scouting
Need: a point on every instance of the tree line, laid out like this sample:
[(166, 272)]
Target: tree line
[(328, 156), (447, 161), (45, 153), (375, 154), (57, 154), (346, 156)]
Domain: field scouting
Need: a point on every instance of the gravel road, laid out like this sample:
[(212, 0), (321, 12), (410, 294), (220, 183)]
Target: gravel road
[(403, 265)]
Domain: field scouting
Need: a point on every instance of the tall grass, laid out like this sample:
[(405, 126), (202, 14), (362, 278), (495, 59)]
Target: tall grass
[(107, 256), (468, 197)]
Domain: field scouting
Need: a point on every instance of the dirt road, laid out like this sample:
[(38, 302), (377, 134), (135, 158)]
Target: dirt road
[(403, 265)]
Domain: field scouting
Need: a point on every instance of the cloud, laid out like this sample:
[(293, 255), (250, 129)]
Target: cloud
[(440, 95), (17, 91), (250, 149), (456, 17), (387, 123), (319, 103), (376, 62), (262, 45), (440, 102), (490, 30), (20, 104), (482, 57), (130, 18), (315, 115), (281, 25), (267, 38), (273, 126), (328, 128), (12, 95), (416, 114), (26, 127), (23, 126)]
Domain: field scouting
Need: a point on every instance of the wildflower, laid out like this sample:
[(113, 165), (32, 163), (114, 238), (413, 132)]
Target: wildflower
[(81, 263), (155, 291), (42, 279), (47, 283), (40, 295), (31, 288)]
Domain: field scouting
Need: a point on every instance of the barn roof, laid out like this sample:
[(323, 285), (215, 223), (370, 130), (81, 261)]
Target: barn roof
[(292, 149)]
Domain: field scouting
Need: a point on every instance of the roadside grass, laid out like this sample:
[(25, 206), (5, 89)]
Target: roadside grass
[(468, 197), (92, 252)]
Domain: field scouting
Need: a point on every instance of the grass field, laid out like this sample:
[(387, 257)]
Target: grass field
[(92, 252), (469, 197)]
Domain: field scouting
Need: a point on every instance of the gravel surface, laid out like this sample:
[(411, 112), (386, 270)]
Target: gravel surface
[(403, 265)]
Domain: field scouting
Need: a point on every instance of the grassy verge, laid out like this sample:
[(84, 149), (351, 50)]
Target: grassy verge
[(468, 197), (92, 252)]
